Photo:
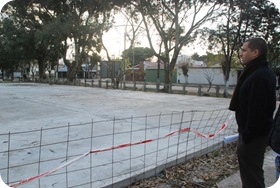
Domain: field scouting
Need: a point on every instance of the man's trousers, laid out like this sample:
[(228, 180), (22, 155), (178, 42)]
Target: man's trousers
[(251, 157)]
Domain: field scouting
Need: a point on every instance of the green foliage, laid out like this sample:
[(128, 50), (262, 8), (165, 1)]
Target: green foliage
[(138, 54), (52, 24), (15, 45), (196, 57)]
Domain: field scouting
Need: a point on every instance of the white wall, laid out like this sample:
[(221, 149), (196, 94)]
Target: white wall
[(197, 75)]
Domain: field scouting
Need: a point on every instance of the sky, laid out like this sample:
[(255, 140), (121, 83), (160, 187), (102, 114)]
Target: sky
[(276, 2), (114, 40)]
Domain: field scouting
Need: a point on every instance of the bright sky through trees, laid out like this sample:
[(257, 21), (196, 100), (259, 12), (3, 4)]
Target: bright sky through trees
[(114, 39)]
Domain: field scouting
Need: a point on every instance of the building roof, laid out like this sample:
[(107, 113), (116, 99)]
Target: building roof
[(152, 65)]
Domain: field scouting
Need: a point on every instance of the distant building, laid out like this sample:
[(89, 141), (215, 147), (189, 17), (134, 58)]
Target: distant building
[(198, 64), (183, 60), (62, 71), (151, 72), (109, 69), (200, 75)]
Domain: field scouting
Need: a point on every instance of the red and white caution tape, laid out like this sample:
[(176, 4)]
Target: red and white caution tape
[(224, 125)]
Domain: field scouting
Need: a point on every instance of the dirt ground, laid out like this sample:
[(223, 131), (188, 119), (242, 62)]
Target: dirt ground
[(204, 171)]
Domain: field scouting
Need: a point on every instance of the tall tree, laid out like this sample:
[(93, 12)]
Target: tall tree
[(74, 26), (15, 45), (238, 21), (176, 23), (132, 22), (83, 23), (29, 19), (57, 25)]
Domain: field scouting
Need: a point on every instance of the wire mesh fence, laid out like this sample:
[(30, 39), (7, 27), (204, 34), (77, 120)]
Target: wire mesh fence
[(111, 153)]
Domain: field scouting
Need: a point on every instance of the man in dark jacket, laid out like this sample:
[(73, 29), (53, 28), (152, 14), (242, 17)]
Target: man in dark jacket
[(254, 102)]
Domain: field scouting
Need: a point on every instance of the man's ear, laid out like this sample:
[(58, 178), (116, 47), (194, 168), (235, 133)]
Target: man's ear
[(256, 53)]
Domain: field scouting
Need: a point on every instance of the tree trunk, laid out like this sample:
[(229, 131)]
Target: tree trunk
[(186, 79), (71, 72), (166, 80), (41, 64), (226, 71), (226, 89)]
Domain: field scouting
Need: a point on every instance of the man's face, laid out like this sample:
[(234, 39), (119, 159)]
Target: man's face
[(246, 54)]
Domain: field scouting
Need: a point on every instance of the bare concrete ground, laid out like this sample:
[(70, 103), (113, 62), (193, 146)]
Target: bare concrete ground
[(30, 106), (27, 106)]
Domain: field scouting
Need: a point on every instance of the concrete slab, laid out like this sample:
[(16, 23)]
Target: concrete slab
[(27, 106), (31, 107)]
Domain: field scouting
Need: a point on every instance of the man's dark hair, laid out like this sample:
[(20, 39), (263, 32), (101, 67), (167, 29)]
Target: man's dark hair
[(258, 43)]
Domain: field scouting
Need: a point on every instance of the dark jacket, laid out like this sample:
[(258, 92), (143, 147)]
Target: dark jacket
[(274, 140), (254, 100)]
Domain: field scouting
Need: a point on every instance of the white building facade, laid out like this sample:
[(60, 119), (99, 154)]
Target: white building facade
[(202, 75)]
